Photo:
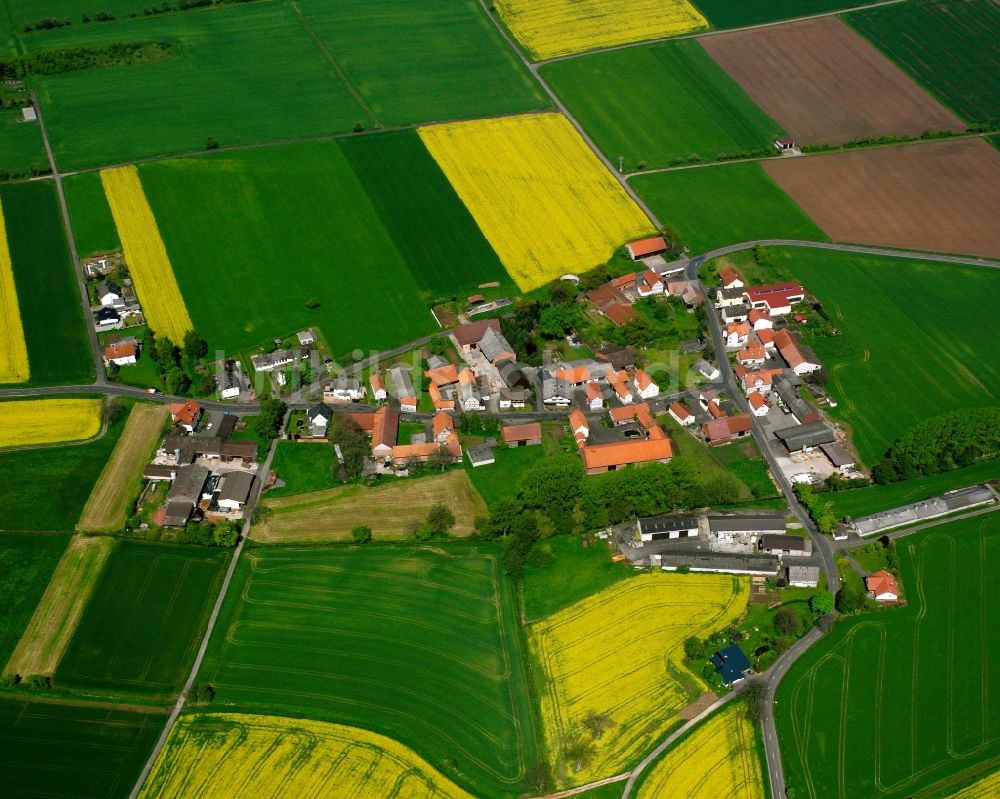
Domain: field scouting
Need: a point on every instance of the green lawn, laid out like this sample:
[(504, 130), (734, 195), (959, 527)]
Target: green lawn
[(717, 205), (144, 587), (575, 574), (432, 229), (500, 479), (303, 468), (737, 13), (287, 225), (659, 103), (21, 145), (872, 499), (73, 752), (46, 489), (47, 293), (93, 226), (914, 341), (418, 645), (26, 564), (901, 695), (952, 48)]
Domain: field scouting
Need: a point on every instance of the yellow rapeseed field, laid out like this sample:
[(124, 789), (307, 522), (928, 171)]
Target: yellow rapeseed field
[(155, 283), (986, 788), (718, 759), (47, 421), (550, 28), (543, 200), (230, 755), (620, 653), (13, 350)]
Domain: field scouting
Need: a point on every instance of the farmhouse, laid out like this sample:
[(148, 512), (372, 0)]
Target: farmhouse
[(609, 457), (797, 362), (758, 403), (443, 427), (617, 381), (185, 414), (644, 385), (229, 381), (522, 435), (689, 293), (469, 394), (612, 303), (443, 375), (467, 338), (760, 319), (737, 334), (344, 388), (644, 248), (785, 545), (659, 528), (731, 664), (379, 394), (751, 356), (760, 380), (882, 586), (649, 283), (681, 414), (805, 437), (579, 426), (234, 490), (119, 354), (707, 398), (735, 313), (803, 576)]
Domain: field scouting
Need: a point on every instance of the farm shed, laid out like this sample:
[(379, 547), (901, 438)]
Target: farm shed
[(658, 528), (803, 576), (234, 490), (480, 455), (785, 545), (643, 248), (522, 435), (732, 527), (805, 436)]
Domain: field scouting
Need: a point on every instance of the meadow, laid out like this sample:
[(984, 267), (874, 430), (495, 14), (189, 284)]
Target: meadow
[(911, 330), (27, 423), (74, 751), (288, 226), (21, 145), (718, 205), (445, 251), (329, 515), (58, 612), (951, 48), (303, 468), (901, 694), (144, 586), (660, 103), (539, 194), (738, 13), (26, 565), (47, 293), (216, 755), (93, 224), (121, 479), (46, 489), (553, 28), (620, 653), (419, 645), (500, 479), (14, 366), (720, 757)]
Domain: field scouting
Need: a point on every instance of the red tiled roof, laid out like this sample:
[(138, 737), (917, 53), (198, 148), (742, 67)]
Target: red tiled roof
[(378, 384), (751, 354), (716, 411), (593, 391), (756, 314), (680, 411), (739, 328), (728, 276), (625, 453), (522, 432), (644, 247), (765, 336), (385, 427), (442, 422), (620, 313), (623, 281), (757, 400), (443, 375), (578, 420), (185, 412), (882, 582), (716, 430), (740, 423), (577, 374), (642, 380), (114, 351), (650, 278), (760, 292)]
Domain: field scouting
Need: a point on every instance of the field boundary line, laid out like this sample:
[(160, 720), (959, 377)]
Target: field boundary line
[(590, 785)]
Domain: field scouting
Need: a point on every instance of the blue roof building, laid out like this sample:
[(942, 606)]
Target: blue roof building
[(730, 663)]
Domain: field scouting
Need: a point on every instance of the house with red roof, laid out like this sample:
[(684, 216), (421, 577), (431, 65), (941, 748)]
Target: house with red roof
[(761, 380), (644, 248), (579, 426), (721, 431), (612, 303), (794, 357), (882, 586), (644, 385), (760, 319), (752, 356), (119, 354), (185, 414), (737, 334), (522, 435), (765, 338), (378, 387), (594, 395), (776, 298), (729, 278), (649, 283), (618, 381), (758, 403), (681, 414), (601, 458)]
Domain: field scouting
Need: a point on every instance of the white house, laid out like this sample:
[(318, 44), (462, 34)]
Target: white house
[(758, 403), (109, 295), (644, 385), (617, 381), (649, 283), (344, 388), (752, 356), (119, 354), (379, 394), (707, 370), (882, 586), (760, 319), (681, 414), (737, 334), (730, 278), (595, 397), (318, 417)]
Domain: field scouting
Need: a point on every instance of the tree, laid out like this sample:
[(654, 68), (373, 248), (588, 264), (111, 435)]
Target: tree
[(537, 778), (178, 381), (272, 413), (352, 442), (226, 535), (756, 697), (821, 603), (440, 459), (598, 723), (786, 621), (166, 354), (557, 320), (116, 410), (579, 751), (440, 519), (362, 534), (553, 485), (195, 346), (694, 648), (112, 370), (848, 599)]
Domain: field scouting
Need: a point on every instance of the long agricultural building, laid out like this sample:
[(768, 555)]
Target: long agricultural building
[(953, 501)]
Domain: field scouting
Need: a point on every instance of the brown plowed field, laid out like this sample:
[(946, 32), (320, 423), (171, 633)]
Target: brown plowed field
[(825, 84), (943, 196)]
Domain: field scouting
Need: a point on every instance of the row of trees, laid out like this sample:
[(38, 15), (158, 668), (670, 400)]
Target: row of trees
[(74, 59), (170, 359)]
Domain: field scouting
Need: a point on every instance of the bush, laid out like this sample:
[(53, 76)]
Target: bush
[(362, 534)]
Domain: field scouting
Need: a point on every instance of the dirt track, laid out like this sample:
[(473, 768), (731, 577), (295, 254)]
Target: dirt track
[(942, 197), (825, 84)]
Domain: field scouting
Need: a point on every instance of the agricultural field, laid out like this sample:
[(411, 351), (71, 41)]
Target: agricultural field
[(553, 28), (825, 84), (13, 350), (302, 468), (560, 205), (45, 489), (910, 329), (659, 104), (47, 293), (58, 613), (266, 757), (942, 196), (719, 205), (329, 515), (166, 587), (121, 479), (28, 423), (26, 565), (147, 259), (21, 145), (93, 224), (720, 757), (900, 694), (951, 48), (982, 789), (739, 13), (64, 751), (445, 251), (292, 223), (620, 652), (419, 645)]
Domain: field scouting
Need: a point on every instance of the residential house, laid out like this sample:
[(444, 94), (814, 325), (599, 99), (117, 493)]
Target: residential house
[(379, 394), (687, 290), (752, 356), (268, 362), (555, 390), (185, 414), (344, 388), (110, 295), (644, 248), (466, 338), (119, 354), (234, 490), (229, 381), (707, 370), (619, 382), (760, 319), (576, 375), (443, 427), (107, 319), (882, 586), (681, 414), (758, 403), (794, 357), (764, 338), (729, 298), (707, 398), (469, 394), (731, 664), (736, 334), (735, 313), (442, 375), (579, 426), (318, 417), (644, 385), (612, 303), (761, 380), (649, 284), (306, 337), (776, 298), (729, 278), (522, 435), (594, 395)]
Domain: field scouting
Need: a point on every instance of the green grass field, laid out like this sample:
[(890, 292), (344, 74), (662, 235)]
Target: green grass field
[(29, 11), (872, 499), (46, 489), (737, 13), (500, 479), (914, 343), (418, 645), (26, 564), (659, 103), (896, 703), (163, 587), (20, 143), (303, 468), (51, 311), (951, 48), (431, 227), (74, 752), (93, 226), (285, 225), (718, 205)]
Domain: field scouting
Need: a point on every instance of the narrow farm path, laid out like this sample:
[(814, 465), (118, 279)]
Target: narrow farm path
[(583, 788)]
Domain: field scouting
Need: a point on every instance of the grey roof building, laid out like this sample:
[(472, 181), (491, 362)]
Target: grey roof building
[(803, 576), (402, 383), (190, 481), (800, 409), (931, 508), (494, 346), (657, 528), (555, 390), (480, 455), (802, 436), (785, 545), (235, 488), (746, 523), (838, 455)]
